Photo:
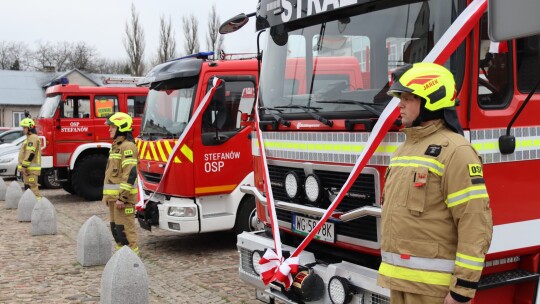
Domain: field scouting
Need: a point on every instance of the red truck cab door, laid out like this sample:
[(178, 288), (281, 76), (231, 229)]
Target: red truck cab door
[(76, 126), (222, 159)]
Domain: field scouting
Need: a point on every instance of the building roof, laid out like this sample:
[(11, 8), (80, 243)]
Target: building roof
[(28, 88), (22, 87)]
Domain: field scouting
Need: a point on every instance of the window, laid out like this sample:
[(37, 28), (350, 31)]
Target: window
[(527, 63), (225, 117), (17, 117), (76, 107), (105, 106), (494, 71), (136, 105)]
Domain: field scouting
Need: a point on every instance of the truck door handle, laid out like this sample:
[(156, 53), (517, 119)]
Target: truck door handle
[(88, 134)]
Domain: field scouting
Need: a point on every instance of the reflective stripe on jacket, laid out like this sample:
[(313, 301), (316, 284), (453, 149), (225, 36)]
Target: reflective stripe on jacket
[(436, 220), (121, 172)]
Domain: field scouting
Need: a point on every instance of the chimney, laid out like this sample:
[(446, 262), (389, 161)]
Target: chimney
[(49, 69)]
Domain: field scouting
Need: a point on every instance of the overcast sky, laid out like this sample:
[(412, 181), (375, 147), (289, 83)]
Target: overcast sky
[(101, 23)]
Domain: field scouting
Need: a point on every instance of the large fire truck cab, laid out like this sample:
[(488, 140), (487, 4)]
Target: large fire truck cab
[(77, 141), (200, 192), (493, 80)]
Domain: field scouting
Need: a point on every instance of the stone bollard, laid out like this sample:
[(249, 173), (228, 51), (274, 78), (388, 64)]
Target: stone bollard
[(13, 195), (3, 189), (93, 243), (26, 206), (43, 218), (124, 279)]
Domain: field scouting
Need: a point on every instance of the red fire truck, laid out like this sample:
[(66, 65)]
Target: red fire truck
[(310, 159), (200, 192), (77, 141)]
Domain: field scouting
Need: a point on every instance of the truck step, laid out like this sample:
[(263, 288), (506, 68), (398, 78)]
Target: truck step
[(506, 278)]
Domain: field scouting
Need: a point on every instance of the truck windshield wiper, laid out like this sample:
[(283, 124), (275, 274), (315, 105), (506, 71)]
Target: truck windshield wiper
[(370, 107), (307, 110), (278, 118)]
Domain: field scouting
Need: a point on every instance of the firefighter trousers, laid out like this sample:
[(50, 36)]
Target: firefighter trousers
[(400, 297), (123, 226), (31, 182)]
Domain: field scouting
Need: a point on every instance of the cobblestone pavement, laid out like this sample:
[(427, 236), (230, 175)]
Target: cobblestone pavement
[(181, 269)]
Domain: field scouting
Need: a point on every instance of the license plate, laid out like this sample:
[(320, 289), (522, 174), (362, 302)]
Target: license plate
[(304, 225)]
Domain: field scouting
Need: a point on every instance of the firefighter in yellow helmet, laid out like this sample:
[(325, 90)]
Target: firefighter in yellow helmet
[(30, 157), (436, 219), (120, 185)]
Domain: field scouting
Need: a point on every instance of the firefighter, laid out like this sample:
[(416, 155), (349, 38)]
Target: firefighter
[(436, 219), (30, 157), (120, 185)]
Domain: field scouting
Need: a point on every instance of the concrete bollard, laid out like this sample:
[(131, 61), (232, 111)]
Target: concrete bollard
[(43, 218), (3, 189), (124, 279), (93, 243), (26, 206), (13, 195)]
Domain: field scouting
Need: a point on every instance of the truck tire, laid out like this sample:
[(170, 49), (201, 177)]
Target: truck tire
[(68, 186), (246, 219), (88, 176), (48, 179)]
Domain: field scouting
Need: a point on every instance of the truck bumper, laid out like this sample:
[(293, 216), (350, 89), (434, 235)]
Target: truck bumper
[(182, 225), (362, 280)]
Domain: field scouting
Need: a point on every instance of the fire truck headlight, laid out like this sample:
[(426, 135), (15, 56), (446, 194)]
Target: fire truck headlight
[(339, 290), (292, 184), (312, 186), (182, 211), (256, 256)]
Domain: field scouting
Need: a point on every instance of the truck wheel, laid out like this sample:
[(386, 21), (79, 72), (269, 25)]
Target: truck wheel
[(68, 186), (48, 179), (246, 219), (88, 175)]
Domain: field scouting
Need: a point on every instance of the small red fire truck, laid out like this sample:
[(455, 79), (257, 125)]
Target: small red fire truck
[(76, 147), (329, 119), (201, 190)]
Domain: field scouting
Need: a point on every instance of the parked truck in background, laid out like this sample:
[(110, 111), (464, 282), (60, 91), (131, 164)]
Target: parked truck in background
[(76, 139), (310, 159)]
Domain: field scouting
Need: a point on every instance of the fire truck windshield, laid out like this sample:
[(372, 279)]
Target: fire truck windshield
[(49, 106), (167, 113), (342, 67)]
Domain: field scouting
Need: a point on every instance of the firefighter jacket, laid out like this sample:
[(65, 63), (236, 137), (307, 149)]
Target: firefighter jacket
[(30, 154), (436, 219), (121, 172)]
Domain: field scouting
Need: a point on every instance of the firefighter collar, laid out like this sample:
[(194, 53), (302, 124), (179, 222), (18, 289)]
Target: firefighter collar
[(118, 140), (423, 131)]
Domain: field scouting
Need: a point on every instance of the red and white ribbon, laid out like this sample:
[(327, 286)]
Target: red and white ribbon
[(448, 43), (498, 47), (140, 195)]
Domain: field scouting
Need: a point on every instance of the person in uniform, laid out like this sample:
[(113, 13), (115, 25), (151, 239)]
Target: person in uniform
[(436, 219), (29, 164), (120, 186)]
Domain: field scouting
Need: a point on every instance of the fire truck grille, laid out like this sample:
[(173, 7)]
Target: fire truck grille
[(362, 193), (151, 177)]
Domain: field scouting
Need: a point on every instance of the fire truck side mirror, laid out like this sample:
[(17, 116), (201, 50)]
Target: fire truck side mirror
[(234, 24), (507, 144)]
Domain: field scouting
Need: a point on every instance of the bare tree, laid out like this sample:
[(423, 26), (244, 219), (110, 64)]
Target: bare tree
[(82, 56), (167, 43), (191, 31), (214, 41), (14, 55), (134, 43), (50, 56)]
